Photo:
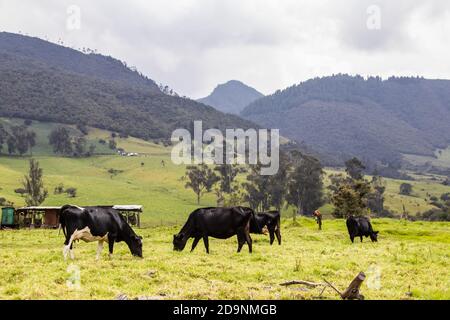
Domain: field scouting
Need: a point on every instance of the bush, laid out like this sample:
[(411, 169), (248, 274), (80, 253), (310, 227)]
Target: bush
[(28, 122), (71, 192), (406, 189), (82, 128), (435, 215), (112, 144), (445, 196), (20, 191), (59, 189)]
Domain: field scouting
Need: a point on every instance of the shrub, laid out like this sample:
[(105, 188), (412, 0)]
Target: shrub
[(71, 192)]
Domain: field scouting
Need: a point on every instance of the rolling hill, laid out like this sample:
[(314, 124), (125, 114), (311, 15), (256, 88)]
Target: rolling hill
[(43, 81), (231, 97), (374, 119)]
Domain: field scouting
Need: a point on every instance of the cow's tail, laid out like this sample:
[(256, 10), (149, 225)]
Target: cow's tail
[(62, 219)]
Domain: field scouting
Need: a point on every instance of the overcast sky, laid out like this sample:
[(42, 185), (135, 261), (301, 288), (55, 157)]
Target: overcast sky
[(193, 45)]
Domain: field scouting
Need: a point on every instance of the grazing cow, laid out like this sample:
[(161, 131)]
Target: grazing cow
[(361, 227), (97, 224), (221, 223), (271, 220)]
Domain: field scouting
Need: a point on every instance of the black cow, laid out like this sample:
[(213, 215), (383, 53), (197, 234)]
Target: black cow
[(221, 223), (97, 224), (271, 220), (361, 227)]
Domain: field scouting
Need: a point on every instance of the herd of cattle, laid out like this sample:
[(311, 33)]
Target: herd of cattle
[(108, 225)]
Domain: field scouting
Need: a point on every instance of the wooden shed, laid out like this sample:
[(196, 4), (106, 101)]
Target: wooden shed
[(47, 217)]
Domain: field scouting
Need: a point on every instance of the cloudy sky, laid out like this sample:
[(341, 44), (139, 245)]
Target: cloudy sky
[(192, 45)]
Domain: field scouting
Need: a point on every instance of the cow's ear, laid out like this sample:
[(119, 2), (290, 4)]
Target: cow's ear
[(376, 232), (139, 237)]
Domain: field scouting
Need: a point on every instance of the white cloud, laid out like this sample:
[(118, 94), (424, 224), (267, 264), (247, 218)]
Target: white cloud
[(193, 45)]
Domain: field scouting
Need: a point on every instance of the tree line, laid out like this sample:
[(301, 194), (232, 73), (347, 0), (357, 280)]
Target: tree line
[(299, 184), (19, 139)]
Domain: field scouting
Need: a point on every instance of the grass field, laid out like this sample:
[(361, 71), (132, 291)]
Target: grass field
[(410, 257)]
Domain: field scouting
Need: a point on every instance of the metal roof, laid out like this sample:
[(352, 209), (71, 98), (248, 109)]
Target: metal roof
[(132, 207), (38, 208), (128, 207)]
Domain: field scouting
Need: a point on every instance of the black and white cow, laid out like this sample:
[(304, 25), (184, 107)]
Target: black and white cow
[(97, 224)]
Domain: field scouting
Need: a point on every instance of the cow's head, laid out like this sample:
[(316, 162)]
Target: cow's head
[(136, 246), (374, 236), (179, 241)]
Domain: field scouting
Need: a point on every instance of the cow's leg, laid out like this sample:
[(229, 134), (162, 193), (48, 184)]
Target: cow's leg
[(249, 241), (272, 236), (241, 240), (99, 250), (194, 244), (278, 234), (352, 238), (205, 240), (361, 237), (69, 244), (66, 247), (111, 246)]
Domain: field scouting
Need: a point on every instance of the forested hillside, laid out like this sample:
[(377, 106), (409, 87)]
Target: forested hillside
[(371, 118), (43, 81)]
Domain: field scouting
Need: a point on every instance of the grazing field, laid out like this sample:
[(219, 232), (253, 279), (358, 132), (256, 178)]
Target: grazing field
[(411, 261)]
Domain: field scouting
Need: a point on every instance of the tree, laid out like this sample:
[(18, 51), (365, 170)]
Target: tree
[(60, 139), (278, 183), (34, 186), (91, 151), (355, 168), (3, 136), (305, 189), (406, 189), (375, 200), (83, 129), (200, 179), (112, 144), (257, 189), (11, 143), (350, 199), (227, 173), (350, 194), (20, 140), (79, 146)]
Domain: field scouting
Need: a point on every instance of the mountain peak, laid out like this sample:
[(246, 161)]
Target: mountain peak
[(231, 97)]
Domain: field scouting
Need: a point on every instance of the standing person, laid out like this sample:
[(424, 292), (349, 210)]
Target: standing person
[(318, 216)]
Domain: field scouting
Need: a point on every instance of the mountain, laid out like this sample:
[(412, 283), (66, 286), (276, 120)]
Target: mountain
[(231, 97), (48, 82), (374, 119)]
